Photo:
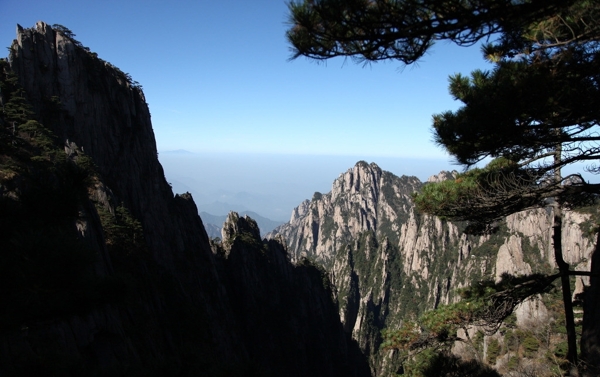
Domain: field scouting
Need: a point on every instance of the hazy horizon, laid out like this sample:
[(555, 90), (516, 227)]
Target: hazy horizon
[(272, 185)]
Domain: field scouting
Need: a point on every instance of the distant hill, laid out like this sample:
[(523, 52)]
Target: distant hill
[(214, 223), (177, 151), (221, 209)]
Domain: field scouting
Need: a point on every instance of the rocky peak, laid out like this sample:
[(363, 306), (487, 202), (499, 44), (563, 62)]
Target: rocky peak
[(442, 176), (234, 224), (359, 179), (360, 200), (239, 228)]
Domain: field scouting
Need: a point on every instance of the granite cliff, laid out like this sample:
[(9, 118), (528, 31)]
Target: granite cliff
[(388, 262), (105, 271)]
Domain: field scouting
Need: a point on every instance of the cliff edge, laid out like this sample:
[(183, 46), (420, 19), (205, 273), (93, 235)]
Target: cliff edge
[(105, 270)]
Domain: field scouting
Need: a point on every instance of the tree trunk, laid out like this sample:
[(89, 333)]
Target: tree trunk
[(590, 334), (563, 267)]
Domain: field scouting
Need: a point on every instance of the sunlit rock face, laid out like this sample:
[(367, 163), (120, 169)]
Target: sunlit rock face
[(389, 262)]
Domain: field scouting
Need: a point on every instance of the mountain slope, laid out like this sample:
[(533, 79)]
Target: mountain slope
[(389, 262), (106, 271)]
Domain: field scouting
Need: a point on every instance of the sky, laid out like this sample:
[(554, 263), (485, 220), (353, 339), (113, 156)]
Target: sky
[(219, 83)]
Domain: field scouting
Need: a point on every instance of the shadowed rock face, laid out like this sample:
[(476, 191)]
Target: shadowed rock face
[(243, 309), (104, 115), (286, 309)]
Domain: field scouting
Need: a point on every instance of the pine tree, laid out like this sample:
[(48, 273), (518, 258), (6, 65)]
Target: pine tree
[(535, 113)]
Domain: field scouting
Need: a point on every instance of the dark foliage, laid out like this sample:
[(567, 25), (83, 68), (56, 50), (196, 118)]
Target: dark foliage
[(449, 365), (371, 30)]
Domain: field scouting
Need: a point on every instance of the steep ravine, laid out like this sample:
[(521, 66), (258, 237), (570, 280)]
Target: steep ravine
[(152, 295), (388, 262)]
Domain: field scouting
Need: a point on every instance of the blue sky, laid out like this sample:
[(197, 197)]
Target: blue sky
[(217, 78), (218, 82)]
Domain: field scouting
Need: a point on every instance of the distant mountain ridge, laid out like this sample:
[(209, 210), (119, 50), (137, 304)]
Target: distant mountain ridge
[(176, 151)]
